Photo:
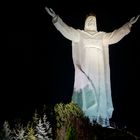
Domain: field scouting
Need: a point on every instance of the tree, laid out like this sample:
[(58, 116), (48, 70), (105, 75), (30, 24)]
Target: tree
[(19, 132), (30, 133), (43, 129), (6, 132)]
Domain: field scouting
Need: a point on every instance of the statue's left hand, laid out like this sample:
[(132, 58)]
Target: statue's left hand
[(134, 19)]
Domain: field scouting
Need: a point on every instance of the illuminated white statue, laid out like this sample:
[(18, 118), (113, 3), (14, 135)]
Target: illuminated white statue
[(90, 52)]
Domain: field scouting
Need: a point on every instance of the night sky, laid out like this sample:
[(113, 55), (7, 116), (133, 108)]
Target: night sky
[(38, 64)]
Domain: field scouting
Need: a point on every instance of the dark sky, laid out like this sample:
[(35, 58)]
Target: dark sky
[(38, 64)]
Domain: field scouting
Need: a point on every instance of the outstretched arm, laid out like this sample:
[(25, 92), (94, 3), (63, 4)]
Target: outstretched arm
[(118, 34), (67, 31)]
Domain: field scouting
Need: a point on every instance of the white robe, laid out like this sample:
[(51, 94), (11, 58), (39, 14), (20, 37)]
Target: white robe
[(90, 52)]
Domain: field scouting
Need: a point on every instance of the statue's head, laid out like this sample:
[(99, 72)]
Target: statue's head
[(90, 22)]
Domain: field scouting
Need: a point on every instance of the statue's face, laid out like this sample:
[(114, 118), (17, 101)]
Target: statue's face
[(90, 23)]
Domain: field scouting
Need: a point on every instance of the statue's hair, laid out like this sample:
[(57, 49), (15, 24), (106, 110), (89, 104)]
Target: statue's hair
[(91, 14)]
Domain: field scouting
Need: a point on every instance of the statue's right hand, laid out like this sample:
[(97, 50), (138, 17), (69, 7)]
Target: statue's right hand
[(50, 12)]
